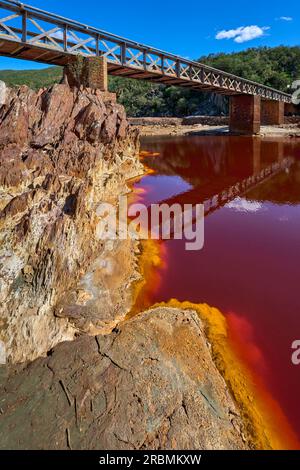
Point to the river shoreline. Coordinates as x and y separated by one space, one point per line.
264 425
207 125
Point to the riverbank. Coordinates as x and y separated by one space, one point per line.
150 385
206 125
262 423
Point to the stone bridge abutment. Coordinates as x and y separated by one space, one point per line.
89 72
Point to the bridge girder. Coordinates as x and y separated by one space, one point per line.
30 33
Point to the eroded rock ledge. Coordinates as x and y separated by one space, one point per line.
150 384
62 152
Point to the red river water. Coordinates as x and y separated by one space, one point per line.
249 267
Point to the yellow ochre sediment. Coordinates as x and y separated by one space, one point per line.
265 422
263 418
149 259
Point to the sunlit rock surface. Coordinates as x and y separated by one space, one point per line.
150 384
62 152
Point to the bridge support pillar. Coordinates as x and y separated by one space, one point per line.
291 109
245 114
272 112
89 72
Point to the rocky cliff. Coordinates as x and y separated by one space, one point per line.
77 376
62 152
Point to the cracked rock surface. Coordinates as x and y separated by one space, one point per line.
150 384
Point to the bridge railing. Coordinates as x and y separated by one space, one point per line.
30 26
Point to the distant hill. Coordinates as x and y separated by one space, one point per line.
277 67
35 79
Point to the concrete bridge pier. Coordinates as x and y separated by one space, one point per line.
89 72
272 112
245 114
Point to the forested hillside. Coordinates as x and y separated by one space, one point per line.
276 67
35 79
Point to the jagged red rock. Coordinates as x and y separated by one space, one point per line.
62 151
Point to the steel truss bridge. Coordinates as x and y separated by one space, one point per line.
32 34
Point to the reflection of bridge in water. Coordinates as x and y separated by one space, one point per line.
213 184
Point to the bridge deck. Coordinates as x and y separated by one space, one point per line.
32 34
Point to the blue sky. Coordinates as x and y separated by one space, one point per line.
189 29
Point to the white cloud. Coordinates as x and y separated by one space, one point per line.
243 33
243 205
286 18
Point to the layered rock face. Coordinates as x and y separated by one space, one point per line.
150 384
62 152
